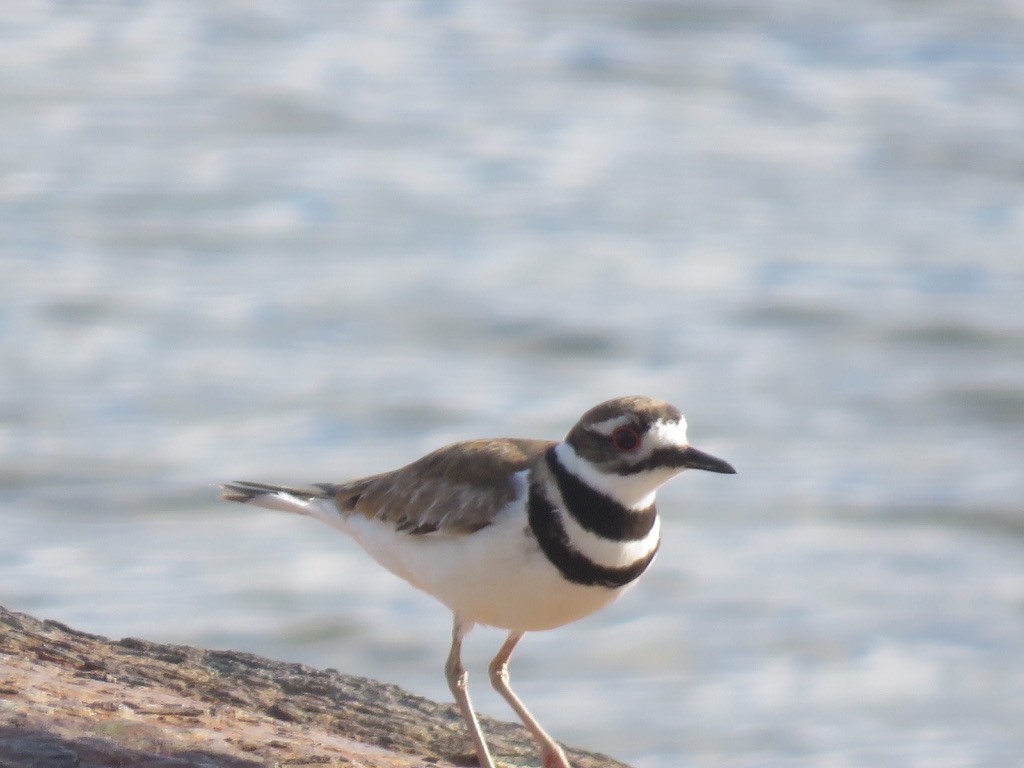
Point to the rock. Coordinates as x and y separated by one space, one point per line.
68 698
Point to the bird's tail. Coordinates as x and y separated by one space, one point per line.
302 501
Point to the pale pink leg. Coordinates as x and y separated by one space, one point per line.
552 754
458 682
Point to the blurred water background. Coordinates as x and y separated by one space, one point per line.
312 240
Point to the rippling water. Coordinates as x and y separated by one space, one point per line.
316 240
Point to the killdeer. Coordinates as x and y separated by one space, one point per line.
514 533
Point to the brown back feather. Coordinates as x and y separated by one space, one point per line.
454 490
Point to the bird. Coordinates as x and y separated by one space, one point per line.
520 534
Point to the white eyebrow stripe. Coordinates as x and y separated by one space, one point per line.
608 426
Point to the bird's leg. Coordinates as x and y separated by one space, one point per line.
552 754
458 682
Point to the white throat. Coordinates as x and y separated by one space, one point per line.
631 491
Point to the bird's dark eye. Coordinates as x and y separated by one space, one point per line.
626 438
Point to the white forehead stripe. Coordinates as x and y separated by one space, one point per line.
668 433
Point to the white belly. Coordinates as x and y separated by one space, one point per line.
496 576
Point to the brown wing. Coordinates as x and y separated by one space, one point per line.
454 490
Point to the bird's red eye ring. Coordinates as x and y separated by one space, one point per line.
626 439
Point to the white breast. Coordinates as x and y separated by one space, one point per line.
496 576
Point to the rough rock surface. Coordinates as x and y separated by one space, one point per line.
69 699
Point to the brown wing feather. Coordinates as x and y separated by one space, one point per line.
454 490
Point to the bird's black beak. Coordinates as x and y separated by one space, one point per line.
694 459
